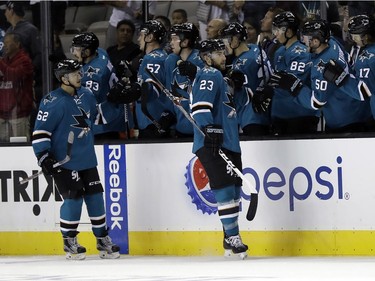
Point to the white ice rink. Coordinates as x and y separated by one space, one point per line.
161 268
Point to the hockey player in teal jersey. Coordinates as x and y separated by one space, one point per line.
153 102
185 58
289 117
72 108
362 32
255 72
213 111
99 76
339 95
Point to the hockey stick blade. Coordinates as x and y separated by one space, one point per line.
254 194
251 211
62 162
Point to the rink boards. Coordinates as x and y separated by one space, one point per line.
316 197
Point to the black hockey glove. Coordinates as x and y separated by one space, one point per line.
262 99
186 68
213 137
334 73
166 120
238 78
123 70
286 81
46 162
123 92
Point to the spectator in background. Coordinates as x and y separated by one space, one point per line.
31 42
179 16
214 27
208 10
252 30
125 58
131 10
16 89
125 49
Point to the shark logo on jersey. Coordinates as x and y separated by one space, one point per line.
230 104
48 98
181 85
91 71
156 54
320 66
240 62
81 123
365 55
299 50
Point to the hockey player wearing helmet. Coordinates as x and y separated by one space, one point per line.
153 102
72 109
289 117
180 69
362 32
213 110
331 89
99 76
248 72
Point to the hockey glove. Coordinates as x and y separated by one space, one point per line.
213 138
123 70
262 99
238 78
286 81
186 68
334 73
123 93
166 120
46 162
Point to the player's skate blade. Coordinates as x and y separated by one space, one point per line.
80 256
229 253
106 255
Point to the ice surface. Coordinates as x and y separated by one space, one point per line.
166 268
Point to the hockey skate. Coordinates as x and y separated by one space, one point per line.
73 250
233 246
107 250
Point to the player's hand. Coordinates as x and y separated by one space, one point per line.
262 99
334 73
286 81
186 68
166 120
46 162
123 92
238 78
213 137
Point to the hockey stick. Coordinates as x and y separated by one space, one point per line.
57 164
254 194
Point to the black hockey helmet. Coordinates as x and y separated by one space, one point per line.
156 28
286 19
318 29
233 29
186 30
65 67
86 40
211 45
361 24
